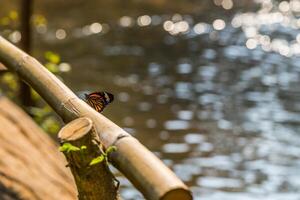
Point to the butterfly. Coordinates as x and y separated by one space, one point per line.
99 100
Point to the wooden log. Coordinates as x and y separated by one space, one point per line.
31 168
138 164
93 182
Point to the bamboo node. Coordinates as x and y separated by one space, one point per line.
120 136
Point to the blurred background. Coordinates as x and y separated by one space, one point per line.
211 86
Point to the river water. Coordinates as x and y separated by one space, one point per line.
211 87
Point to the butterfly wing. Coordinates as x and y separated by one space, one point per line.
108 97
96 101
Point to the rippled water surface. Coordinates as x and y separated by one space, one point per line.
212 87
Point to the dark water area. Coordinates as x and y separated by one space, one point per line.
211 87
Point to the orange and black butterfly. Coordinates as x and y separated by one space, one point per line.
99 100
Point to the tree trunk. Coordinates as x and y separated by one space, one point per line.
25 28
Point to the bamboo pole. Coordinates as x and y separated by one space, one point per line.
93 181
139 165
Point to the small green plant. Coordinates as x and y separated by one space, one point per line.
103 156
97 160
68 147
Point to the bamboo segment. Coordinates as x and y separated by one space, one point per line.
138 164
93 181
150 175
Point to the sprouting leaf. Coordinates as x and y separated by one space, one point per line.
68 147
97 160
73 148
83 147
110 149
64 147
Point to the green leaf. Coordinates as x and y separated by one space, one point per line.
110 149
83 147
68 147
73 148
97 160
64 147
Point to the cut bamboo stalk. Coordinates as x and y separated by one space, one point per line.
139 165
93 181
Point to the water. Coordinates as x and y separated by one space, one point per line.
211 87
